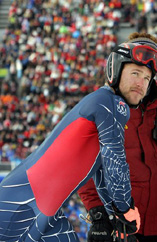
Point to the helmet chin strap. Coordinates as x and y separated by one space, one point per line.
118 92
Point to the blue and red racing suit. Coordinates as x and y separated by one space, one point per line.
88 142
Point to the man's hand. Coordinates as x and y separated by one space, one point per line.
126 224
101 228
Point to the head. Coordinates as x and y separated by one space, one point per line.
132 66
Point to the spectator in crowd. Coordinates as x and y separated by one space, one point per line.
141 150
88 141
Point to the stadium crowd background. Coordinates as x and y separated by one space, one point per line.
52 54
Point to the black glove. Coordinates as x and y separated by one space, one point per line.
126 224
129 221
101 228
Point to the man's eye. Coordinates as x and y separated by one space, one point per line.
135 73
147 79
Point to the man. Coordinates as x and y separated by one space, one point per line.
89 141
141 150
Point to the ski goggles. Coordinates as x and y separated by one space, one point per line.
140 54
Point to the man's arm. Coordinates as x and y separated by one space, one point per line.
113 179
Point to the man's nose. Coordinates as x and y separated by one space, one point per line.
140 82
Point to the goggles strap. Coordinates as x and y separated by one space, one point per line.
122 51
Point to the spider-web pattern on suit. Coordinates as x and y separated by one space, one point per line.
113 177
87 142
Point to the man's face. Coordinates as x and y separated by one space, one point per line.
134 82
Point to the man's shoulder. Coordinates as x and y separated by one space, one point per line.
104 93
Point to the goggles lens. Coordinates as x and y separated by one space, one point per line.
145 54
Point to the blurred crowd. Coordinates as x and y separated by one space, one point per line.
52 54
